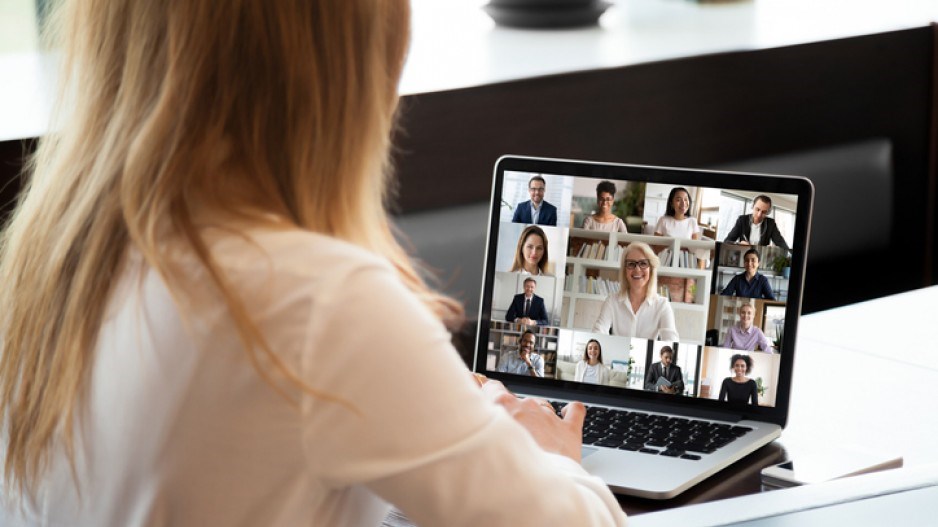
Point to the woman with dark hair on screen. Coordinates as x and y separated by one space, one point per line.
603 219
637 310
200 232
591 368
676 221
531 255
750 283
739 388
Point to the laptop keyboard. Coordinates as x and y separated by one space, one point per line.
655 434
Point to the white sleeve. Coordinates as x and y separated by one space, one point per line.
416 429
667 328
604 321
659 226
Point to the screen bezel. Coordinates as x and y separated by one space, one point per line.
763 183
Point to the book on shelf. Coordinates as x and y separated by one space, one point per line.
677 289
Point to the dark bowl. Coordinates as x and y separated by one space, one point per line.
558 17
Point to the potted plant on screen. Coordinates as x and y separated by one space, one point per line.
782 265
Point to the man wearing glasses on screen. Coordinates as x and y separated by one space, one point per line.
536 210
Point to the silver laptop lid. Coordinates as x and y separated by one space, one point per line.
718 259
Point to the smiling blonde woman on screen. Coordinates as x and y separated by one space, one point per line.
637 310
182 290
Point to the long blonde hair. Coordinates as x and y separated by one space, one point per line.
178 111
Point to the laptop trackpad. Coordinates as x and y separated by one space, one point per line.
586 451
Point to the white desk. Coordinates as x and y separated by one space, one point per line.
868 374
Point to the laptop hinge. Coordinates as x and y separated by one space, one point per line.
645 406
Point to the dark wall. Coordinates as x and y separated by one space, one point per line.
703 112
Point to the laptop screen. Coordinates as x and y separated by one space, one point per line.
653 283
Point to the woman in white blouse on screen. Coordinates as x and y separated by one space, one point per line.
184 281
591 369
637 310
676 223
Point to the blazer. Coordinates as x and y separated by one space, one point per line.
768 232
538 311
675 376
580 372
547 216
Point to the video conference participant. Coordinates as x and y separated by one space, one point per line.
527 361
664 369
750 283
218 205
531 255
739 388
536 210
744 336
528 308
637 310
757 228
591 369
604 219
676 223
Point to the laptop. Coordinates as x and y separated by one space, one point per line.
665 299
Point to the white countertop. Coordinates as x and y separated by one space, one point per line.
455 44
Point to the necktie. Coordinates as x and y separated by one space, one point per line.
527 306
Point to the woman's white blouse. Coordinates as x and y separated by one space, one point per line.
653 320
178 428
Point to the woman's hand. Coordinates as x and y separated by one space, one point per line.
554 434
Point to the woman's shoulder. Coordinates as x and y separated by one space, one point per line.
283 260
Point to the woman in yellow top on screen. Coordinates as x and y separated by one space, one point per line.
603 219
531 256
637 310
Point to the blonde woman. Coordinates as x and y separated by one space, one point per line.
182 288
531 255
637 310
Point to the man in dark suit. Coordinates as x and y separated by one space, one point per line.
757 228
528 308
536 210
665 370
